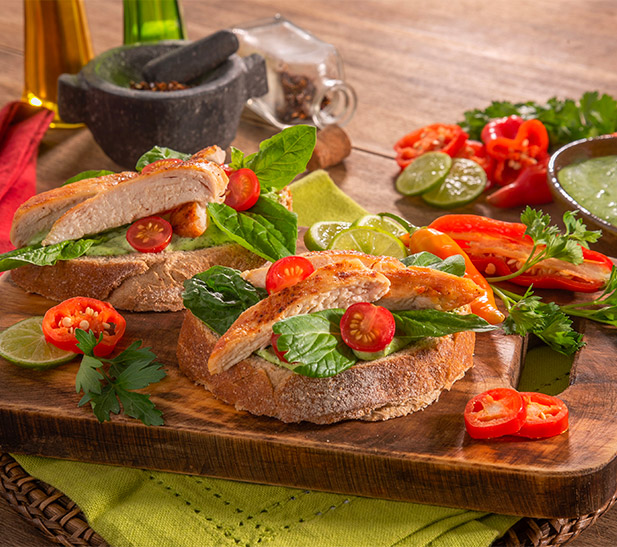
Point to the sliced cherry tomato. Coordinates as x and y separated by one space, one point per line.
88 314
227 168
366 327
437 137
149 235
275 349
243 189
496 412
547 416
161 164
286 272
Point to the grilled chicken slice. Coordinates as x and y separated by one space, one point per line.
141 196
337 285
410 287
38 214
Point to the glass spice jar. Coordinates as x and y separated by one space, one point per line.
305 75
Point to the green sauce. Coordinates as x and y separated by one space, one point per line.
593 184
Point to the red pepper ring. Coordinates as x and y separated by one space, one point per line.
530 187
495 413
530 142
501 127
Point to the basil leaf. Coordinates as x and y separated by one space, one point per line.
284 221
45 256
283 156
219 295
253 231
313 344
91 174
237 159
454 265
159 153
417 324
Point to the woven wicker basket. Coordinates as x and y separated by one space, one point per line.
61 521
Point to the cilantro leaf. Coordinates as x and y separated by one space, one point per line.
105 403
139 405
88 378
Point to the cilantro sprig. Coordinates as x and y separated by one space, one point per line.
109 384
550 242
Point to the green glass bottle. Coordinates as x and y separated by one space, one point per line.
152 20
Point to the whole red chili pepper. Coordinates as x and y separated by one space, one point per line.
499 248
443 246
529 188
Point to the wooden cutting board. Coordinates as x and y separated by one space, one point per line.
426 457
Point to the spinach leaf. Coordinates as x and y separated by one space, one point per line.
454 265
313 344
280 158
417 324
46 256
91 174
255 232
219 295
159 153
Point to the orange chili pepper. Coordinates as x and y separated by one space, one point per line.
443 246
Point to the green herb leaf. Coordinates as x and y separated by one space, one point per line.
254 232
45 256
88 378
139 406
105 403
91 174
237 159
159 153
417 324
283 222
137 369
313 344
454 265
282 157
219 295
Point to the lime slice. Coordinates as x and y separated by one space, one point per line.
422 174
381 223
371 241
464 183
24 344
320 234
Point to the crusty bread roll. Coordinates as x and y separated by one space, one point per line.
133 282
396 385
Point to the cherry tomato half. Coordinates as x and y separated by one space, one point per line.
366 327
149 235
89 314
243 189
496 412
437 137
275 349
286 272
163 163
546 416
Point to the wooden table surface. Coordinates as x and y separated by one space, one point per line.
411 63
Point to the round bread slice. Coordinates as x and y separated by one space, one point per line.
396 385
132 282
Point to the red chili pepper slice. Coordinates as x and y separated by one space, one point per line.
494 413
529 188
546 416
437 137
501 127
443 246
89 314
498 248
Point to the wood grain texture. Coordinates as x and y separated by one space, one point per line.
411 63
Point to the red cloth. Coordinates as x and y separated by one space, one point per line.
21 130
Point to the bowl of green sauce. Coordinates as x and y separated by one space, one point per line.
583 177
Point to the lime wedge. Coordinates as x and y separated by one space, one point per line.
371 241
381 223
464 183
423 173
24 344
320 234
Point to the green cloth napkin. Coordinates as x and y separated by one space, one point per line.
134 507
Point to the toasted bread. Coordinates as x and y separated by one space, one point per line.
396 385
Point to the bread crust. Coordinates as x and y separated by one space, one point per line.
132 282
396 385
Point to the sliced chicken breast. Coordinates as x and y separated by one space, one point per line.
141 196
337 285
38 214
410 287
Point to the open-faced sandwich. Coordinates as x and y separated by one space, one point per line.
132 238
328 336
